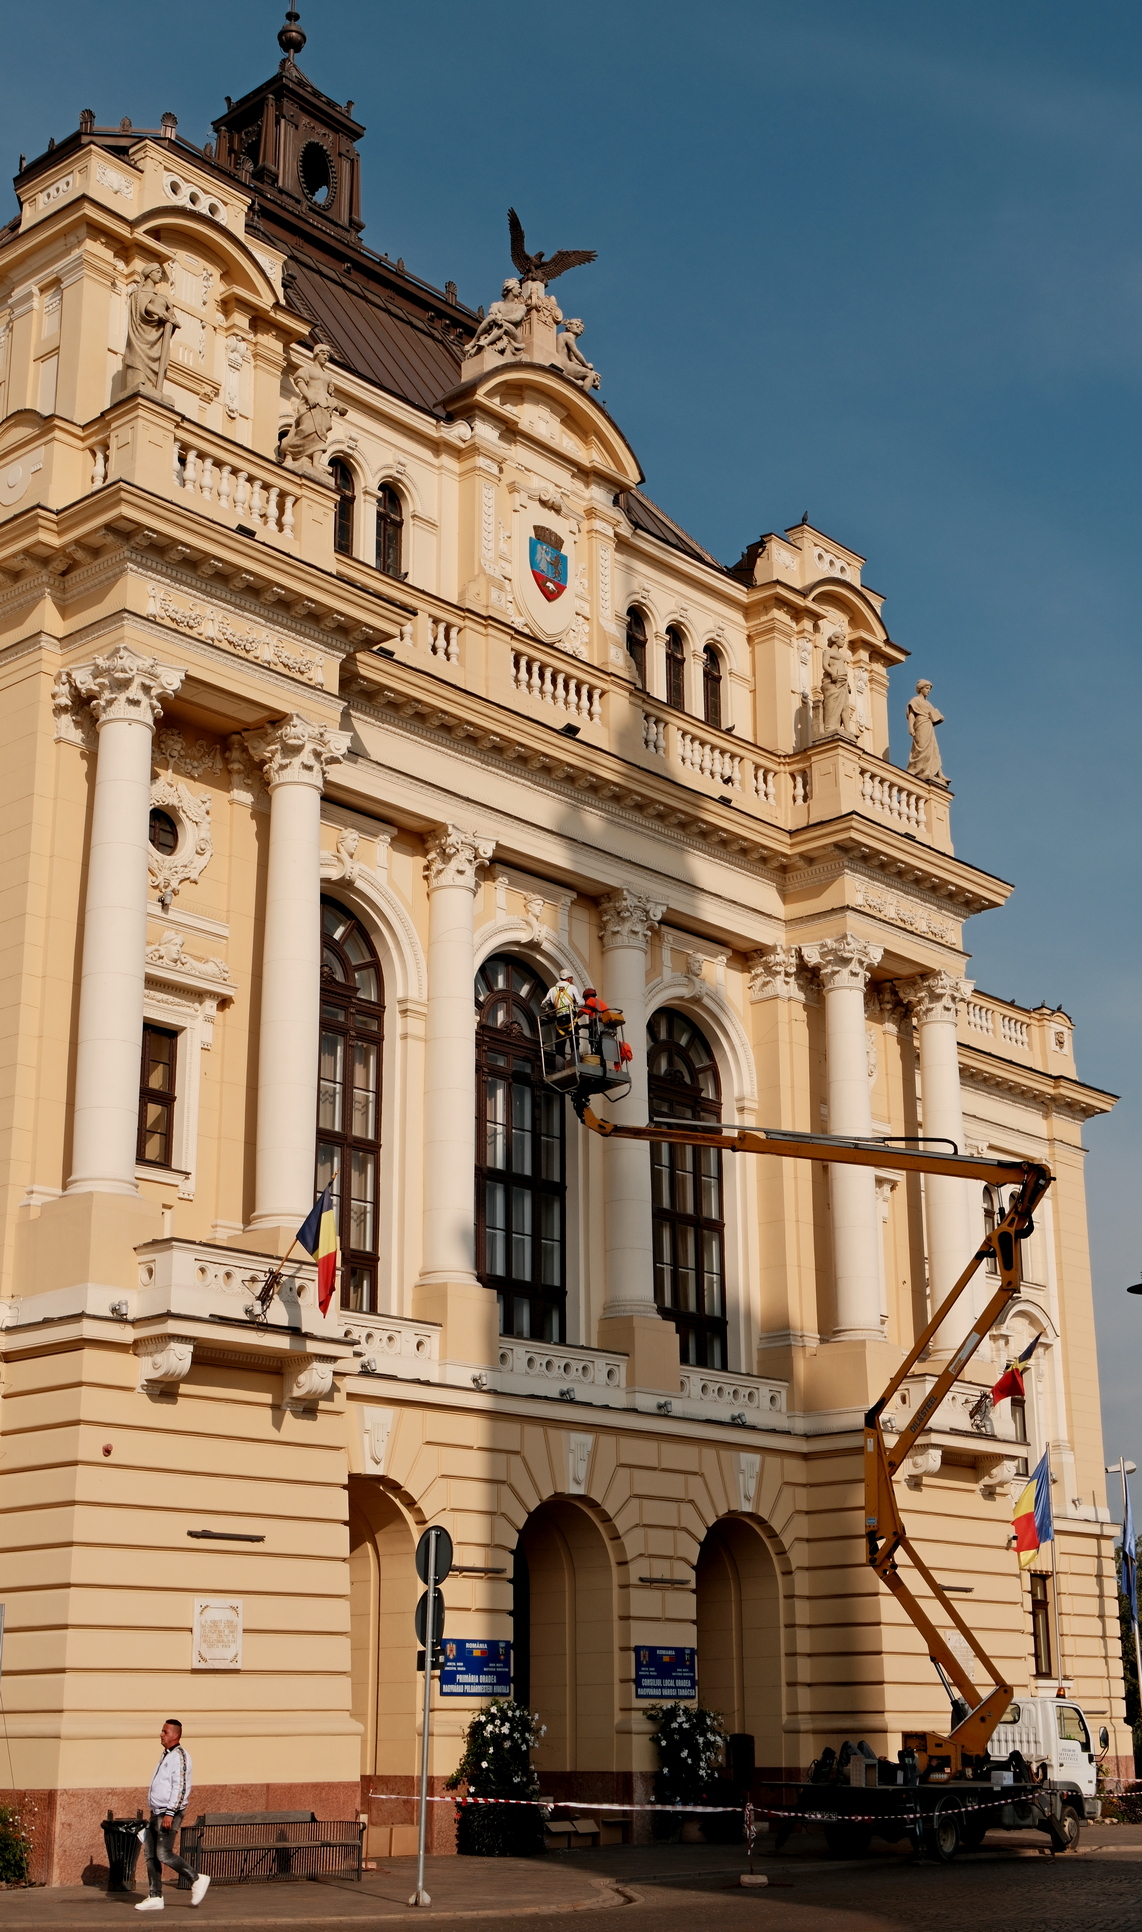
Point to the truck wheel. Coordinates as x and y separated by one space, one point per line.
942 1838
847 1841
1065 1832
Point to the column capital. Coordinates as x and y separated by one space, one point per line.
775 973
293 751
628 918
934 996
124 685
845 961
453 857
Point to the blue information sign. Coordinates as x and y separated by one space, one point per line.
475 1668
666 1675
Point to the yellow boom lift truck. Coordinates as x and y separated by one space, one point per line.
946 1788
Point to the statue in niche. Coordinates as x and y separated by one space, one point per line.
303 446
150 326
572 361
500 328
923 717
837 713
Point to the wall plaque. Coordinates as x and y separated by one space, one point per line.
476 1667
665 1675
217 1634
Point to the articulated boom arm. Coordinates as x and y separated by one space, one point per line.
884 1526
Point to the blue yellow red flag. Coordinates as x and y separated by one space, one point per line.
1031 1519
318 1236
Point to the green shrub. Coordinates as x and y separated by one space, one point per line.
15 1847
497 1764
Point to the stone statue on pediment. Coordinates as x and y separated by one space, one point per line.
150 326
837 710
923 717
500 328
303 446
572 361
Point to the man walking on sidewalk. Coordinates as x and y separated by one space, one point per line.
170 1789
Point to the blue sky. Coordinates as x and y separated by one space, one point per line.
881 263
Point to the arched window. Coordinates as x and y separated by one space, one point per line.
712 687
346 495
689 1216
349 1096
675 668
636 643
521 1189
390 530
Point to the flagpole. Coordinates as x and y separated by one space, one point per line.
1133 1618
1055 1570
273 1280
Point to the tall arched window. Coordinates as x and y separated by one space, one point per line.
675 668
346 487
349 1096
390 530
636 643
712 687
521 1188
689 1216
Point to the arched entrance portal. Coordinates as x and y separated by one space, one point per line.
383 1589
739 1636
565 1641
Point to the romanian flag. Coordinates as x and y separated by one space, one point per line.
318 1236
1032 1522
1011 1381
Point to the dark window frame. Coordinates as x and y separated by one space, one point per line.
637 640
684 1081
344 516
389 555
675 668
165 819
523 1121
1041 1624
356 1021
162 1099
712 687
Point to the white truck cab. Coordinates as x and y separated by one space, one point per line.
1051 1731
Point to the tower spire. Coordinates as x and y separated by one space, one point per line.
291 38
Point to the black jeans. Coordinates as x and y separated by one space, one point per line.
158 1850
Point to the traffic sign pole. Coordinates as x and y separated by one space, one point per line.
428 1567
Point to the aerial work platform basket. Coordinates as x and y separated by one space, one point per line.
584 1051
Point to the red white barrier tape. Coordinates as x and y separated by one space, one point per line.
559 1804
948 1809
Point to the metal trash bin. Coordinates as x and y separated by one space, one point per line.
121 1837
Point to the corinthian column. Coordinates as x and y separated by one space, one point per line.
448 1290
935 999
294 755
844 965
124 691
630 1318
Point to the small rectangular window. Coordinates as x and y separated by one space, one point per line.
1041 1624
157 1097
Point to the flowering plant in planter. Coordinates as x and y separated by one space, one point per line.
15 1847
497 1764
691 1745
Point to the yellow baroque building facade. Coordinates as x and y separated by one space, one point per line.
354 690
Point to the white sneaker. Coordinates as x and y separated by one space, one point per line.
151 1905
199 1889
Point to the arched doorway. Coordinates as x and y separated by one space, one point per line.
383 1589
565 1599
739 1636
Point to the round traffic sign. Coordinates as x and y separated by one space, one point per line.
423 1638
443 1553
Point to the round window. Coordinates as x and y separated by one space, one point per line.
317 172
163 833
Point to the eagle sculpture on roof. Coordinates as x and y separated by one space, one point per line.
533 268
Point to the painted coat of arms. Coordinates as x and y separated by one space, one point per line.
548 562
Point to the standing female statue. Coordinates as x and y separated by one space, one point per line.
303 446
150 326
923 718
836 699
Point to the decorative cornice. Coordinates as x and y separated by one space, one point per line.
126 687
1045 1091
628 918
843 962
297 752
455 858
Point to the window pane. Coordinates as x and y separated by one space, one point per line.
551 1122
683 1180
660 1175
521 1128
357 1292
521 1234
332 963
156 1134
331 1084
362 1198
158 1066
364 1090
550 1226
367 982
687 1278
712 1271
495 1229
496 1138
328 1164
522 1316
663 1265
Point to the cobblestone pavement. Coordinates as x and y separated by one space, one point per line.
1009 1886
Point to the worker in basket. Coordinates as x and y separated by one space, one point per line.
600 1016
563 1002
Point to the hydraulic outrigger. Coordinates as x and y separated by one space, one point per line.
946 1754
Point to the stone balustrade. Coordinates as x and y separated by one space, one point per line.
555 685
893 799
393 1345
255 495
709 760
569 1374
749 1401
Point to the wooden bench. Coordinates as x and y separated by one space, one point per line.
246 1847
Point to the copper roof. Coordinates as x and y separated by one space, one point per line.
653 522
373 334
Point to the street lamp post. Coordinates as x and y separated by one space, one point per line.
1129 1555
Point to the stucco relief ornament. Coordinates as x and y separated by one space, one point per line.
123 685
73 724
150 326
297 752
303 446
923 717
775 974
195 848
455 858
627 919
